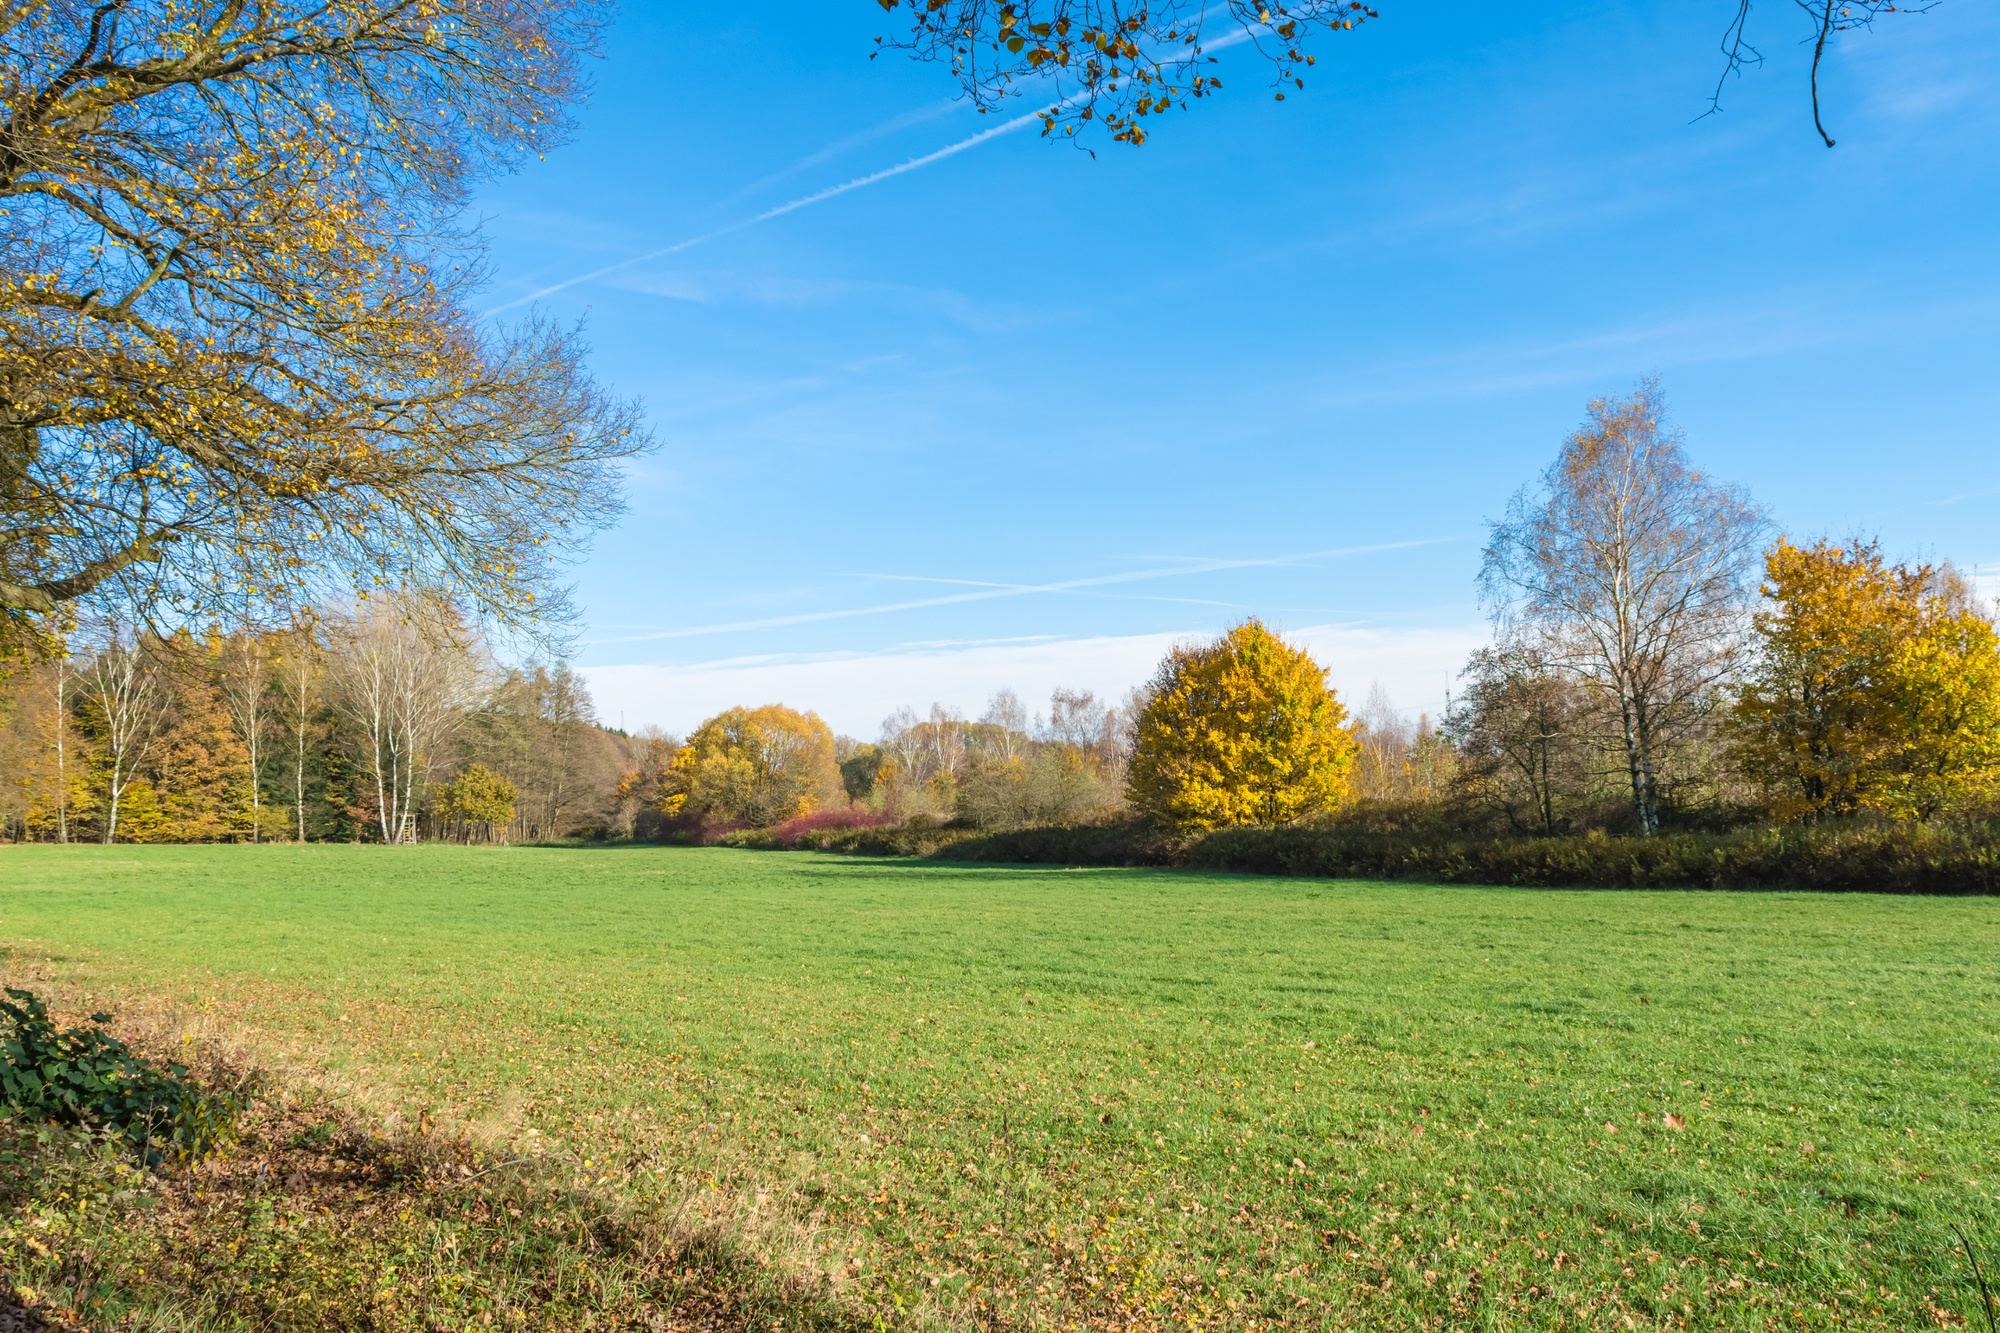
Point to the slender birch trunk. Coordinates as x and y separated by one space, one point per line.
123 684
62 768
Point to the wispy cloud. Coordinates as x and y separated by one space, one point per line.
854 691
988 592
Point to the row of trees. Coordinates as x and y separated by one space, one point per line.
1856 686
762 766
241 377
1640 675
383 724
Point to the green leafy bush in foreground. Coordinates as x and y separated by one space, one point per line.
86 1076
1876 858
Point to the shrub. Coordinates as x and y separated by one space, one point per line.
798 832
86 1076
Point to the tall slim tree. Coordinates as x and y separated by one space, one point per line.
64 674
130 703
246 684
1630 569
298 670
564 713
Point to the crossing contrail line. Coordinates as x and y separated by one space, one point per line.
806 201
832 191
987 592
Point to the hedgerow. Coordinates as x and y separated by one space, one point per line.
1854 857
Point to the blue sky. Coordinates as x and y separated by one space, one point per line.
1023 417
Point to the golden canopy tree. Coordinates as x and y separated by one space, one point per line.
1875 686
758 765
1243 730
477 804
237 367
199 768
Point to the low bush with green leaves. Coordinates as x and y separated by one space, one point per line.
85 1076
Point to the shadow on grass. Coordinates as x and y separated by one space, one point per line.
308 1222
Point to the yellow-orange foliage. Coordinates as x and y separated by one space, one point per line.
1112 63
1875 686
1241 731
761 766
237 366
199 768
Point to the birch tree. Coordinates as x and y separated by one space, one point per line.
124 687
64 674
298 670
1005 727
1629 569
246 685
404 675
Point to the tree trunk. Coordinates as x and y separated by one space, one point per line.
62 773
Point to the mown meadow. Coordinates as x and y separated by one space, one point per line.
957 1095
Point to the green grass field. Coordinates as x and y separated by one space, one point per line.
1094 1097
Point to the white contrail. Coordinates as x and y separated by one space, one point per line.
990 591
846 144
949 150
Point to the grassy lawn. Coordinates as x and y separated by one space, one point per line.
1087 1097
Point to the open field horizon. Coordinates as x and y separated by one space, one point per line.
1130 1097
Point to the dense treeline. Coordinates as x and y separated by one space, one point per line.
384 724
754 768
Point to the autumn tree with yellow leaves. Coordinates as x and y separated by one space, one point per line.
1874 687
238 369
476 806
1243 730
759 766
